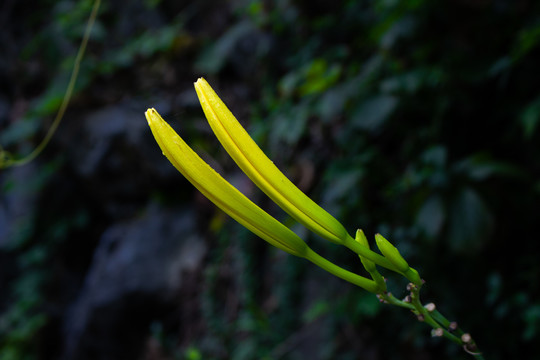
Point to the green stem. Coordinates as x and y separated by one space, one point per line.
436 320
440 318
368 254
392 300
443 321
379 280
346 275
428 319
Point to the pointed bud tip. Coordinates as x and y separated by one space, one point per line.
361 238
391 253
199 81
151 115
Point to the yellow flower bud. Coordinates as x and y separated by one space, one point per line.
262 171
219 191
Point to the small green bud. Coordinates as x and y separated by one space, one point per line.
361 239
391 253
369 265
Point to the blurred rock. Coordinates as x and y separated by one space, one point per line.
106 148
136 277
98 137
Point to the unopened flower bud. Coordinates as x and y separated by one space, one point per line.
361 239
391 253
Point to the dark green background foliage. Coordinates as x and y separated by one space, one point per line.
417 119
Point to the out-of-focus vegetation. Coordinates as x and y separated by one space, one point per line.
416 119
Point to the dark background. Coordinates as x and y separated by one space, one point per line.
416 119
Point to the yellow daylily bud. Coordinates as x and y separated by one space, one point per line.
235 204
219 191
262 171
391 253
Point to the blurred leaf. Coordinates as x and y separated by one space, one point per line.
527 40
367 306
494 286
215 57
288 126
413 81
343 187
532 322
22 129
470 222
530 117
372 113
316 310
313 78
431 216
146 45
435 156
192 353
401 28
481 167
500 65
318 77
333 101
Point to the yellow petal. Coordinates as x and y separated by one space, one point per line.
219 191
262 171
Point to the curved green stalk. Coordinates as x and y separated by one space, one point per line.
6 159
346 275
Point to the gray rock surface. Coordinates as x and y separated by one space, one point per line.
134 278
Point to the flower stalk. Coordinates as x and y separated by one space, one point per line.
262 171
